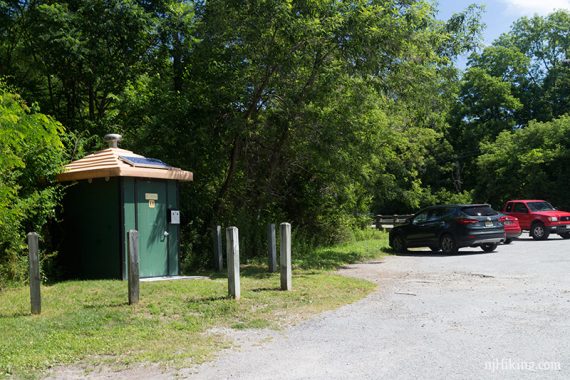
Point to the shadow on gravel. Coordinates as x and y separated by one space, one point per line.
526 240
438 254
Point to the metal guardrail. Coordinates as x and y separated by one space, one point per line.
387 222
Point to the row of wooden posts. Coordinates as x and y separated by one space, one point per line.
232 244
35 280
232 247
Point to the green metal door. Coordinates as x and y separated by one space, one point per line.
152 226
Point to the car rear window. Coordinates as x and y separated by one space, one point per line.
479 211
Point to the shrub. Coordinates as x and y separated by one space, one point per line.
31 155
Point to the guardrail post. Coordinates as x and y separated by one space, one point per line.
232 246
272 247
35 281
285 256
133 267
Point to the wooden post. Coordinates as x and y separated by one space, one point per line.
232 246
272 247
133 266
35 294
218 253
285 256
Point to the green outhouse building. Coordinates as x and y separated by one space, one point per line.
111 192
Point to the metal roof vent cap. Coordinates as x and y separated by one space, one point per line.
113 139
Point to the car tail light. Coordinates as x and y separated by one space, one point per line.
507 220
466 221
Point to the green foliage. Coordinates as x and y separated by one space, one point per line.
297 111
522 76
75 57
31 156
311 112
363 245
527 163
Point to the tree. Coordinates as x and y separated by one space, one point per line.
303 111
545 43
75 57
527 163
313 112
32 154
521 77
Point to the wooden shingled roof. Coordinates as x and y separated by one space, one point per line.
116 162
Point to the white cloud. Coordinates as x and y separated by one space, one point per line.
530 7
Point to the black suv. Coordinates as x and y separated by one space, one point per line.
449 228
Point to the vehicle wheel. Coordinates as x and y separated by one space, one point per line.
399 244
434 249
565 235
538 232
508 241
490 247
448 245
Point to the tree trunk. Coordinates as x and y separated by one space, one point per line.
50 91
234 156
177 65
91 102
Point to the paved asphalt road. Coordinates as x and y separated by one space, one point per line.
473 315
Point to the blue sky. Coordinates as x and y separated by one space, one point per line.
500 14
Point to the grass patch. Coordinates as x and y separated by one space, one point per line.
367 245
90 321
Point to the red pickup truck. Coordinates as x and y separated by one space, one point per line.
539 218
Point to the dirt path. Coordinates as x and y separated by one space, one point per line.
472 315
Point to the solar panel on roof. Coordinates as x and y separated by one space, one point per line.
145 162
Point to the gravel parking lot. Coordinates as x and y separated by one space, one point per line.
472 315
